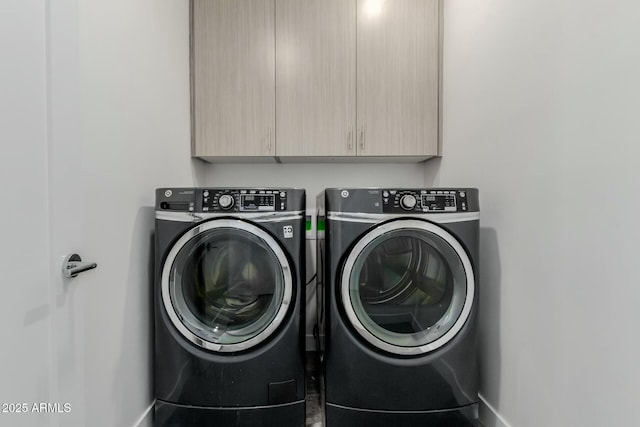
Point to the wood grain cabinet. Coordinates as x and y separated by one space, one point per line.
233 79
398 77
315 78
309 80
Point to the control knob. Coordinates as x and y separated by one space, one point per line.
408 202
226 201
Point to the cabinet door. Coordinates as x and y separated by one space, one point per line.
398 81
233 77
315 79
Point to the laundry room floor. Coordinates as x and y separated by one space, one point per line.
314 407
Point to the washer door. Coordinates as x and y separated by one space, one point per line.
226 285
407 287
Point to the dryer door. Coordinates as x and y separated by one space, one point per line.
226 285
407 287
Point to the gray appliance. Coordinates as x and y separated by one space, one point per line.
229 307
398 294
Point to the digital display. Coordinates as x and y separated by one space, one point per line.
439 202
257 202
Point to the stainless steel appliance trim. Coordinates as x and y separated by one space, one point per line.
235 224
370 218
407 224
202 216
176 216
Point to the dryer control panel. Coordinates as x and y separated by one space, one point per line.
243 200
234 200
411 200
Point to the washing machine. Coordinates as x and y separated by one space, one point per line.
229 307
398 302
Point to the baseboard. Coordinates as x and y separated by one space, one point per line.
489 416
146 419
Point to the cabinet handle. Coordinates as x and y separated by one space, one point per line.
350 139
269 143
362 138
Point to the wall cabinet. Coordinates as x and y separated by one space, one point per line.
398 77
315 77
233 79
310 80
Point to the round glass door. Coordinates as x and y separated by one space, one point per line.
226 285
407 287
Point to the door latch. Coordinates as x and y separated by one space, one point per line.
73 265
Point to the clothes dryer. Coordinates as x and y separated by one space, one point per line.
398 295
229 307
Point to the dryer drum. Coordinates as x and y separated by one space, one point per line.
402 266
232 284
411 279
227 285
407 287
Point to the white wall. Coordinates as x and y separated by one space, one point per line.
541 100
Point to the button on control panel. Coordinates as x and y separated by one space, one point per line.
245 200
403 201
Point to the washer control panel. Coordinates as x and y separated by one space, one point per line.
245 200
402 201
